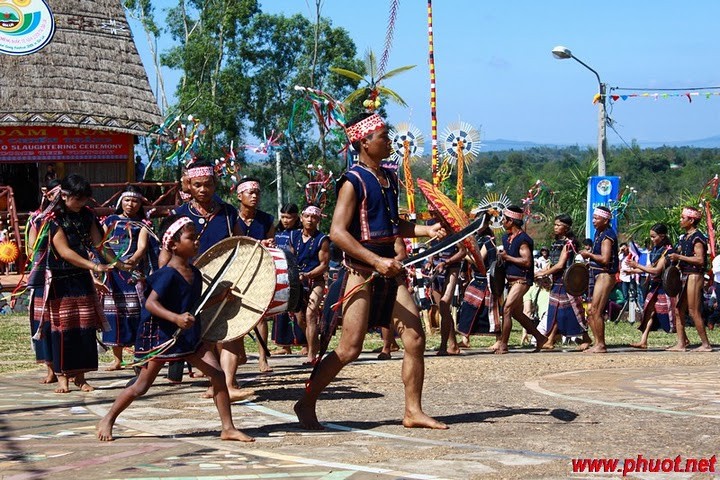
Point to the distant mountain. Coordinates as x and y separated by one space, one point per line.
502 144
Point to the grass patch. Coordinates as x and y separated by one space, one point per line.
16 352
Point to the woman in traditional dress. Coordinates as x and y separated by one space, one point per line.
72 304
129 241
37 241
659 308
566 314
286 331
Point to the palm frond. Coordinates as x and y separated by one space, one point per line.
348 73
355 95
393 95
394 72
371 65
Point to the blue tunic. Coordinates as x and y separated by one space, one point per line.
612 266
220 226
282 238
259 226
176 295
513 271
376 218
307 253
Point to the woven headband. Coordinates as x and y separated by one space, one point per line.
602 213
514 215
245 186
364 127
691 213
173 229
137 195
312 210
195 172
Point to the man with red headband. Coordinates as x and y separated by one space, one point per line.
604 265
519 274
692 248
365 225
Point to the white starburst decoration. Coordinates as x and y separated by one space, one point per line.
495 203
416 143
453 134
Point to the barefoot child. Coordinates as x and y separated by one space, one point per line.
171 293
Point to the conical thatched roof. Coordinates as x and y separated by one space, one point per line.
90 74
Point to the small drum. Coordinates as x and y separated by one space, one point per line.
672 280
261 280
576 279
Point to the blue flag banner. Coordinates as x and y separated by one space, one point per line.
601 191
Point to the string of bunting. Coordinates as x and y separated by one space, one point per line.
659 96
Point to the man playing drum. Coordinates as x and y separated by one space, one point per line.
692 248
365 225
519 266
603 266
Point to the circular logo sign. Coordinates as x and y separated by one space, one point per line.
26 26
604 187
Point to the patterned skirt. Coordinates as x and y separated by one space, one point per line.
663 314
73 309
566 310
122 309
478 312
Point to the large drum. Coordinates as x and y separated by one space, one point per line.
257 281
576 279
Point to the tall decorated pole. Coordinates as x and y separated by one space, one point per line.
407 144
461 144
433 100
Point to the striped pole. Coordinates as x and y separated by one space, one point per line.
433 101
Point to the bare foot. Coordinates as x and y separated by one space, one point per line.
303 351
502 350
83 385
114 366
208 393
238 394
264 367
677 348
63 386
194 374
641 346
104 430
548 346
307 416
50 378
464 342
421 420
703 348
62 390
494 346
236 435
540 341
596 349
281 351
583 346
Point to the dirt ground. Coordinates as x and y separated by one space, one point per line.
521 415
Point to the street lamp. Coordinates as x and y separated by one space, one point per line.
562 53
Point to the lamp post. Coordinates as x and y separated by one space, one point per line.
561 53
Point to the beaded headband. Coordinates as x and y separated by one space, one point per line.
137 195
312 210
173 229
245 186
364 127
602 213
195 172
691 213
514 215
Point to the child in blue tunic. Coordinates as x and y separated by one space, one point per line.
171 293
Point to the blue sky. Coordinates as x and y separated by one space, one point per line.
495 70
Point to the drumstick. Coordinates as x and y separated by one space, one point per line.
227 294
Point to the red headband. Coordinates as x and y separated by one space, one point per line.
514 215
602 213
691 213
364 127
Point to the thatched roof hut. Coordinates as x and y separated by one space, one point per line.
89 75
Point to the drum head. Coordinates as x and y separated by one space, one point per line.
576 279
252 271
672 280
497 278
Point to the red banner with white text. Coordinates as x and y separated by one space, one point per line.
63 144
